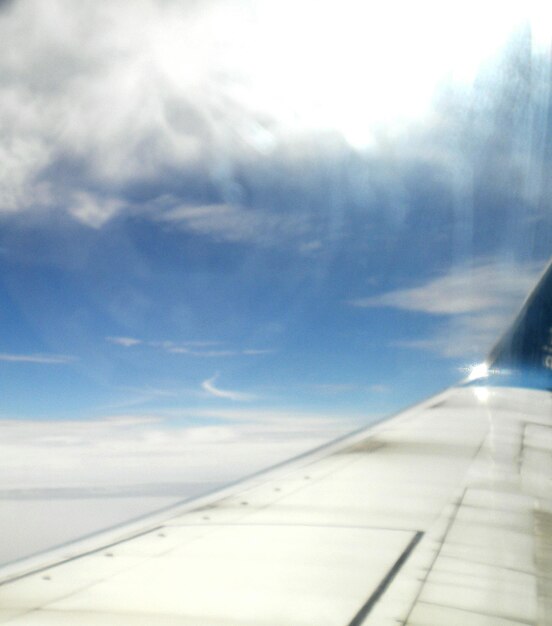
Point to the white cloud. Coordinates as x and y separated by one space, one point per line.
98 472
202 353
193 344
379 388
467 335
216 353
95 473
209 386
182 347
47 359
310 247
334 388
178 350
92 210
479 303
226 222
347 388
129 450
255 352
126 342
202 349
125 91
87 83
464 290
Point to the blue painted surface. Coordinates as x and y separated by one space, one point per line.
525 378
523 356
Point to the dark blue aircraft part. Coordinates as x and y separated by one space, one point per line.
524 378
523 356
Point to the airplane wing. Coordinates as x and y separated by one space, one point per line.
439 515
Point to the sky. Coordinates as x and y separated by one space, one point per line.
231 231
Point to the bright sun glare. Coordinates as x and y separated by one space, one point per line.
478 371
359 69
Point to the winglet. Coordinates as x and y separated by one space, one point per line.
524 353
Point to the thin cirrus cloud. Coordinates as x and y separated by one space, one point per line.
255 352
474 304
226 222
345 388
226 394
204 349
202 353
464 290
126 342
44 359
217 353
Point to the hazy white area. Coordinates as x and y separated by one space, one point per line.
62 480
31 526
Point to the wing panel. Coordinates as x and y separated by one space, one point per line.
434 515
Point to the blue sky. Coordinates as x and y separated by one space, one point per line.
207 224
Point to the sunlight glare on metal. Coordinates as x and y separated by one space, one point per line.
481 370
482 393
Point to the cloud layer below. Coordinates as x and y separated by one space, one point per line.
120 453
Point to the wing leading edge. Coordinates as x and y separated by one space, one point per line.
440 515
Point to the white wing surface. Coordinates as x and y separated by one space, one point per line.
440 515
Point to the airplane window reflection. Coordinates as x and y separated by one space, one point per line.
233 231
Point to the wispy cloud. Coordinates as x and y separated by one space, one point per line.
217 353
334 388
379 388
47 359
464 290
347 388
202 353
93 210
310 247
255 352
227 222
202 349
126 342
209 386
168 345
476 302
